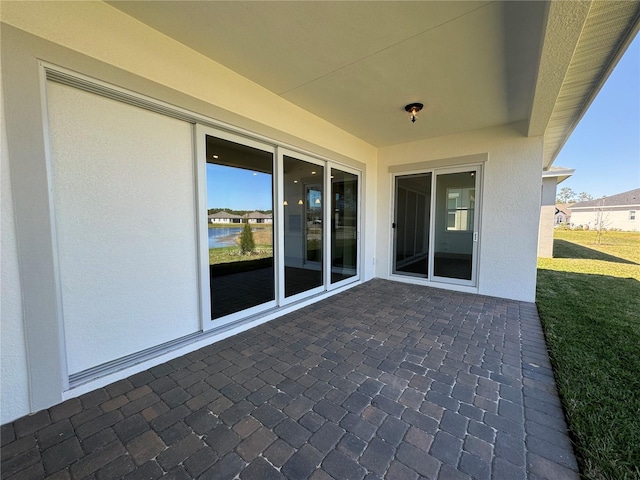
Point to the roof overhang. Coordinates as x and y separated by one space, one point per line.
583 42
474 64
560 174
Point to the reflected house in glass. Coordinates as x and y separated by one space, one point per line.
258 217
224 217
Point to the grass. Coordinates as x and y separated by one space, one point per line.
263 237
588 297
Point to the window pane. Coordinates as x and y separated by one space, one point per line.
460 204
303 224
240 221
413 202
453 245
344 225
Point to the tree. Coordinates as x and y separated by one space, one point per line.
601 219
566 195
247 243
584 197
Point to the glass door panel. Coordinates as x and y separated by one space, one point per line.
239 203
411 225
303 225
455 226
344 225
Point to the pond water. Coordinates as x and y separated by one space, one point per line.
223 237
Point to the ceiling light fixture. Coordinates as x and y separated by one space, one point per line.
413 109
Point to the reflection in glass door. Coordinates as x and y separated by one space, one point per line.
344 225
411 225
239 202
303 225
455 237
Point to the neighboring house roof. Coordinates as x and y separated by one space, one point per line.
223 214
630 198
564 208
256 215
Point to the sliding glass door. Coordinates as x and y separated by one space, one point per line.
456 236
303 220
276 226
238 210
435 235
344 226
411 225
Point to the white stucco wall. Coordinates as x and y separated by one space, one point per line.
14 387
547 217
545 234
510 203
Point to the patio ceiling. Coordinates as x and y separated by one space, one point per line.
356 64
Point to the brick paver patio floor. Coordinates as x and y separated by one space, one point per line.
385 380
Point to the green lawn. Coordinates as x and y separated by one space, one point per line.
263 237
588 297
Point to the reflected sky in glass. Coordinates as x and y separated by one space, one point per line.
244 189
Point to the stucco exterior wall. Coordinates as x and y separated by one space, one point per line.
510 203
547 217
545 235
15 389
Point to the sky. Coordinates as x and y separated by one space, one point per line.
238 189
604 149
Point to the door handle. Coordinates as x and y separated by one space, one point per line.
393 225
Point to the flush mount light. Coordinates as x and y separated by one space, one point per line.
413 109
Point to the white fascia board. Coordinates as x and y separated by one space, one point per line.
561 174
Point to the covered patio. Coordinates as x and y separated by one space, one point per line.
385 380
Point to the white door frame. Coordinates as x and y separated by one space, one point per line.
203 230
431 278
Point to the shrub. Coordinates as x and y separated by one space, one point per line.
247 243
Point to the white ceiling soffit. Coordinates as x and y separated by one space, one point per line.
356 64
608 29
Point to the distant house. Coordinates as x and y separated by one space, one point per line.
617 212
563 214
258 217
224 217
